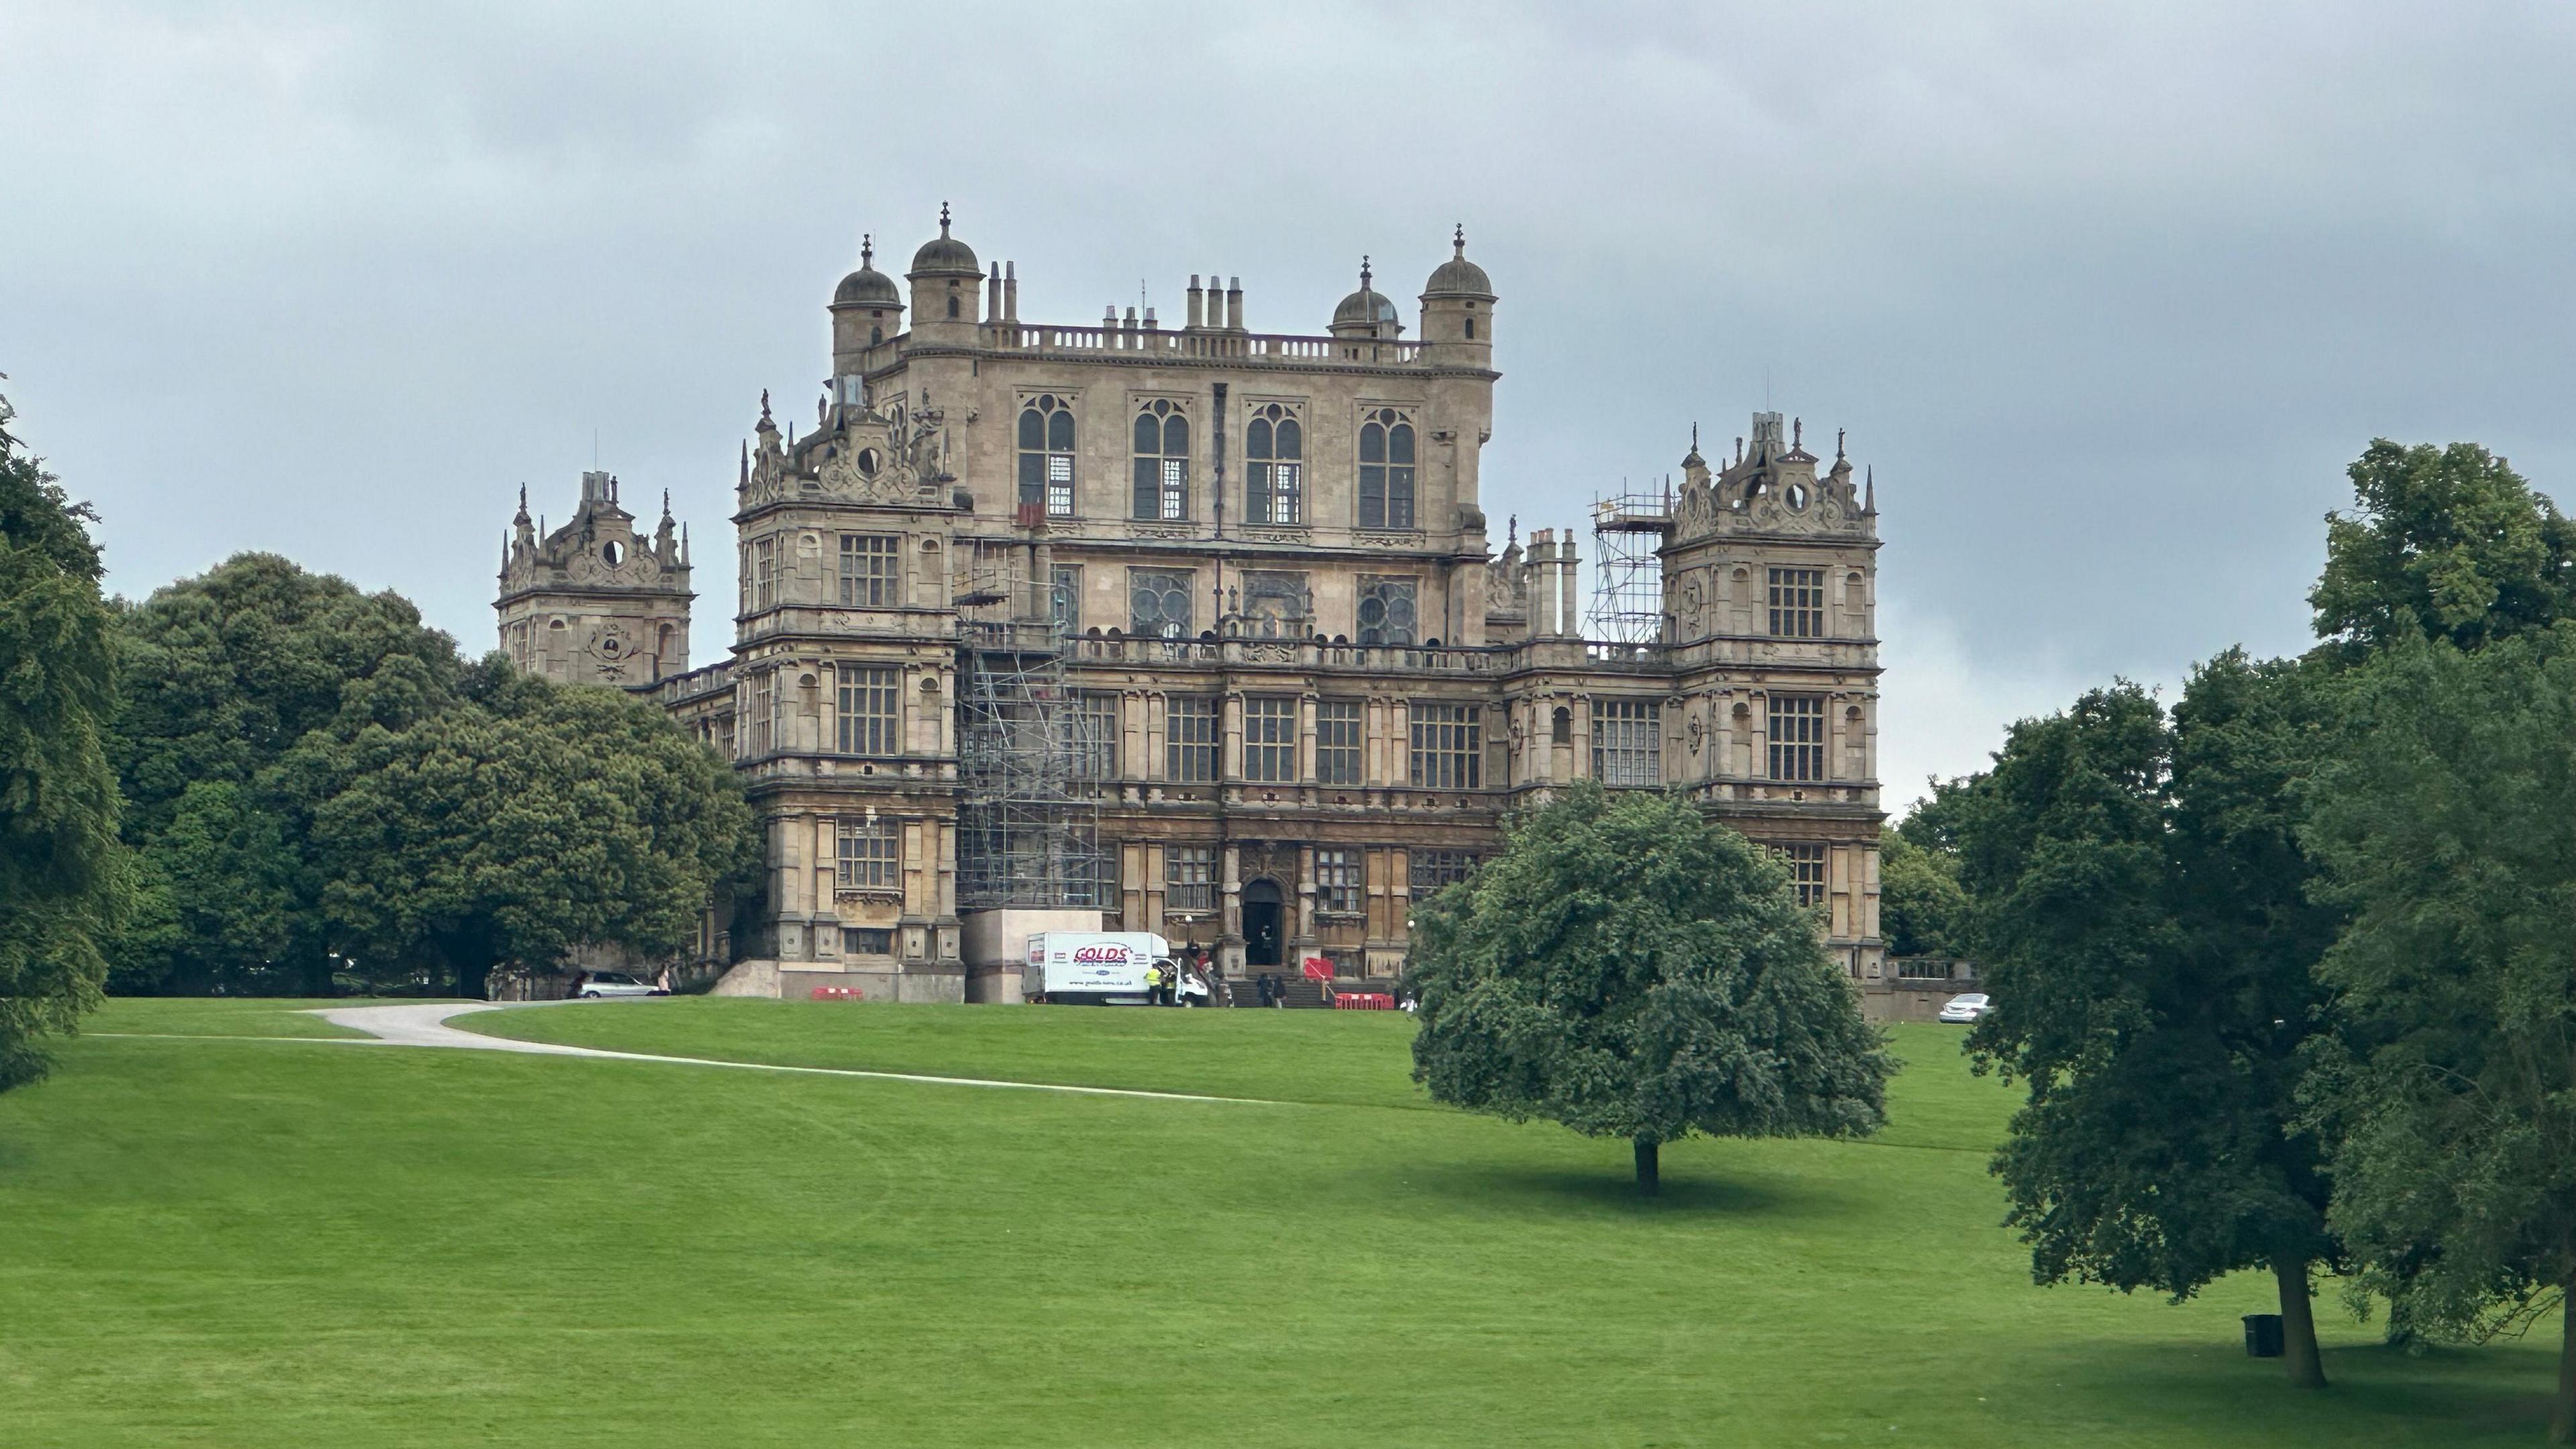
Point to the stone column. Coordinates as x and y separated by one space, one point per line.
1229 942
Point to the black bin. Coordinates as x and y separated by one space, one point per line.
2262 1335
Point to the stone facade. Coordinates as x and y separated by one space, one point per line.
594 602
1307 686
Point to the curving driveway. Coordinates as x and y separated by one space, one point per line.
424 1024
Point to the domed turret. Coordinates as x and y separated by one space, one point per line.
867 287
945 290
1366 312
867 308
1458 277
1458 310
944 255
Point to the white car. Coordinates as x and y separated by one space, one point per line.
1964 1009
597 984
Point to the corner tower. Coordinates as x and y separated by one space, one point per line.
595 602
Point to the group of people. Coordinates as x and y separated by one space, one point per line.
1194 980
1191 981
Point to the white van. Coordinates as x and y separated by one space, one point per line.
1093 966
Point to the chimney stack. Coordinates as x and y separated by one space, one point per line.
1198 316
1234 303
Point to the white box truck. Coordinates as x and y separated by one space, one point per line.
1097 967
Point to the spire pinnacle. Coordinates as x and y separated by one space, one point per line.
1364 272
867 250
943 218
1458 242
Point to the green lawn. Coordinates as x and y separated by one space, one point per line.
204 1016
240 1242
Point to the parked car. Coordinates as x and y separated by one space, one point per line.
596 984
1960 1010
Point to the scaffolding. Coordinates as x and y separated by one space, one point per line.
1028 821
1628 534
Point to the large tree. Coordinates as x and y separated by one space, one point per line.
2140 922
237 683
63 878
2445 827
1630 969
2442 543
526 818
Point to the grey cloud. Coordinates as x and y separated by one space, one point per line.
2107 297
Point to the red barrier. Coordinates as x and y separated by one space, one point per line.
839 993
1363 1001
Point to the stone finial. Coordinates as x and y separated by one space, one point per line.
1838 445
867 250
764 405
1869 502
1797 432
943 218
1458 243
1512 532
1364 272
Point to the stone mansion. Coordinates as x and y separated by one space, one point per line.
1201 631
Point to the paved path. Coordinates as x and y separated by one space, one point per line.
425 1025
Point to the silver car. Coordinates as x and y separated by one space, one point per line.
1962 1010
596 984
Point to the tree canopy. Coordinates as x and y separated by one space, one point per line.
323 788
2443 543
2142 929
63 876
525 819
1631 969
1922 908
2444 827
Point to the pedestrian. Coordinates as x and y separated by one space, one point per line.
1154 985
1261 988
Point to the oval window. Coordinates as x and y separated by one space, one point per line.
614 553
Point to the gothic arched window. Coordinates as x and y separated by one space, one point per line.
1386 470
1274 468
1162 461
1046 454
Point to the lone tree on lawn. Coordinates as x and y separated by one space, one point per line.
1631 969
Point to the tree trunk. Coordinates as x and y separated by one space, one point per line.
2298 1325
2562 1413
1649 1181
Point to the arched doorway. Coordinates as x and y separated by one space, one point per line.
1261 922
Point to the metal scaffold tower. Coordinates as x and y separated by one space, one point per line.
1628 531
1028 825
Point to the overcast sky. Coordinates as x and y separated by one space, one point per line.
2108 300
